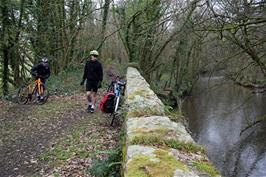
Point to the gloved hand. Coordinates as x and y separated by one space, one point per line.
99 85
82 82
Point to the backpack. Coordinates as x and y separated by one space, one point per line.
107 105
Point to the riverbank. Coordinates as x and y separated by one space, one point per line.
255 88
256 85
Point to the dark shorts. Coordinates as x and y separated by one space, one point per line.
92 86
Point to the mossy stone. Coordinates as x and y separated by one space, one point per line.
144 166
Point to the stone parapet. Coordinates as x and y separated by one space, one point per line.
156 146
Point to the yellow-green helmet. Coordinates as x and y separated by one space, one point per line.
94 52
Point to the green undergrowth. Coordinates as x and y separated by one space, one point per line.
144 166
159 140
108 167
206 167
112 165
67 82
174 114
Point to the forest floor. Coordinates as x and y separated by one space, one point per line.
58 138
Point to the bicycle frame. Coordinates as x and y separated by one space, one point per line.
31 91
40 90
117 90
36 86
116 87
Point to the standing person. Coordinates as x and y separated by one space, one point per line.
93 73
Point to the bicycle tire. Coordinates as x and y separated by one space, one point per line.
45 95
23 95
117 119
113 118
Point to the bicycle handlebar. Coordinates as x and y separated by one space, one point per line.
122 83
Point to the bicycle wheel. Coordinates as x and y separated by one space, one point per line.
23 95
44 95
117 119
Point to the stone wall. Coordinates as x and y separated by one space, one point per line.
155 146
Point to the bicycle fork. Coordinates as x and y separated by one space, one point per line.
117 103
40 89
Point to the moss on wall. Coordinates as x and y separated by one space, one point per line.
146 111
144 166
160 140
206 167
139 92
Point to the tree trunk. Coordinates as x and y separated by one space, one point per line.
104 22
4 46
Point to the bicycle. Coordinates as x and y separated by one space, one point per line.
33 92
117 86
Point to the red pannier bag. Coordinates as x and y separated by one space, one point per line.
107 105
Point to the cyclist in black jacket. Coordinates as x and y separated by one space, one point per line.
93 73
42 71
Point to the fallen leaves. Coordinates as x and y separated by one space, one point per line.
29 130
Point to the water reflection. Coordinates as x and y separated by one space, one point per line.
218 111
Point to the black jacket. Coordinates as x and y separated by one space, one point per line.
93 71
40 71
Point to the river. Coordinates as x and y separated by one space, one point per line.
218 111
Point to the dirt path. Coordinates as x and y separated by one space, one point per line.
27 131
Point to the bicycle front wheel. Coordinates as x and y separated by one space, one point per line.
23 95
